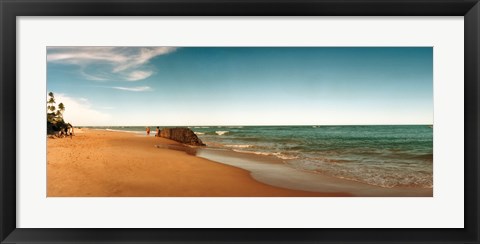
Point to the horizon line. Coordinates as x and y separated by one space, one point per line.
255 125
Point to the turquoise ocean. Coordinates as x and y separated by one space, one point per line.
381 155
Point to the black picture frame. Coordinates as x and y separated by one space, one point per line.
10 9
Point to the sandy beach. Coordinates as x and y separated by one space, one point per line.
248 121
97 163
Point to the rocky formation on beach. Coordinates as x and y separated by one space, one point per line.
182 135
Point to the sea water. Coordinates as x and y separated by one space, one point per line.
381 155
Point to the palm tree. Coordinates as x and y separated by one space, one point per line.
51 102
55 120
61 109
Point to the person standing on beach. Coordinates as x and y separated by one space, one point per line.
148 131
157 132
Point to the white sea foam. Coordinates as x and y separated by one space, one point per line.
384 177
198 133
221 132
253 152
276 154
239 146
283 156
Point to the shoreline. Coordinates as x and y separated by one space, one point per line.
273 172
263 170
96 163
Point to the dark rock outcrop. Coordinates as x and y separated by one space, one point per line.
183 135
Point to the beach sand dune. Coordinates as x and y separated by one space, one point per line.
96 163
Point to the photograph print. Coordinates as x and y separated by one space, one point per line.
239 121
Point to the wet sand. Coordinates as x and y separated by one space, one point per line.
97 163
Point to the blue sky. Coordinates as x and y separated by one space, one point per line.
242 85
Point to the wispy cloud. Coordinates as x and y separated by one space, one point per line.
109 63
133 89
138 75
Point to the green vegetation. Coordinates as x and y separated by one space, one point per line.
55 122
